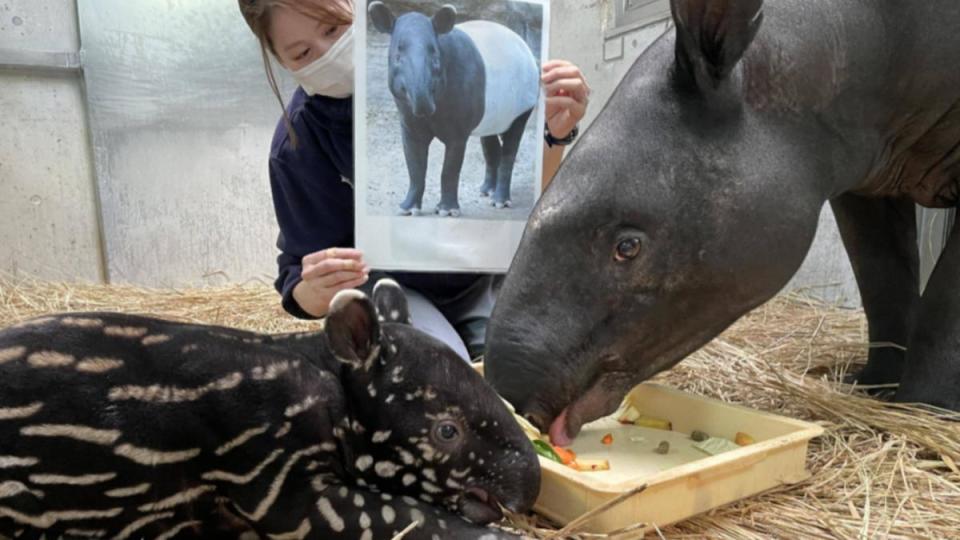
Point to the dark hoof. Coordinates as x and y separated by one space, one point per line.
500 205
408 211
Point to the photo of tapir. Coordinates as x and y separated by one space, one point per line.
468 77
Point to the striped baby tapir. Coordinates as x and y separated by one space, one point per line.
119 426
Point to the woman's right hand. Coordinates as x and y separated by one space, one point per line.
327 272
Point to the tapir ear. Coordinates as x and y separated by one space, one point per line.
712 36
391 302
351 326
381 16
444 19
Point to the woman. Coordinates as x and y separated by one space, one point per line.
311 167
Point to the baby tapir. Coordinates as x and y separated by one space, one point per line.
117 426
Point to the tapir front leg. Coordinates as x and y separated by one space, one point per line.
932 371
511 145
416 148
339 511
881 238
450 178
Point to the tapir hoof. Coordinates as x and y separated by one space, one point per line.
408 211
453 212
485 191
502 205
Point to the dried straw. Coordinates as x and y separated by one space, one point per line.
881 470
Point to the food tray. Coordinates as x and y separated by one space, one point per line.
685 482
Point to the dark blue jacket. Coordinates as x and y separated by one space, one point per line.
313 195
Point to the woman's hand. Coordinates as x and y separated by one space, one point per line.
327 272
567 95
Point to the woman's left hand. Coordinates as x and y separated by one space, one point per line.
567 96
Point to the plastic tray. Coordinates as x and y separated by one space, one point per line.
683 483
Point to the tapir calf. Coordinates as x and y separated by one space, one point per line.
116 426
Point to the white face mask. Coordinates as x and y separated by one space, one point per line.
332 74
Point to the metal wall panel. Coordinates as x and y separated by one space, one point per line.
182 119
48 214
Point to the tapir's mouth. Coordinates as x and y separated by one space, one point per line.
601 399
479 506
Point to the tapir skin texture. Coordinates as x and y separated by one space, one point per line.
695 196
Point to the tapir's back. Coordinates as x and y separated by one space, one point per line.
139 415
512 77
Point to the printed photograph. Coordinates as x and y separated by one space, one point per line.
451 109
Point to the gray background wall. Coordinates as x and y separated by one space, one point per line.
186 205
48 214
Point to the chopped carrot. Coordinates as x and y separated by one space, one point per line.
607 439
743 439
566 456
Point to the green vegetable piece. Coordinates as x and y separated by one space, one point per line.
545 450
716 445
662 448
699 436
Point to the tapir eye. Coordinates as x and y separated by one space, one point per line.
446 431
627 249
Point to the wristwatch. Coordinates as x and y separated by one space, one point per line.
553 141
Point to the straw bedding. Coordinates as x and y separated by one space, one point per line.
880 471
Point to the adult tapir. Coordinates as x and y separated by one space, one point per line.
451 82
695 196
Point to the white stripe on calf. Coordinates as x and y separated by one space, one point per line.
271 497
172 394
155 339
81 322
99 364
11 353
176 530
48 519
14 488
128 491
301 407
273 370
331 515
388 514
82 480
284 429
84 533
152 458
16 413
9 462
104 437
177 499
223 476
125 331
302 531
242 438
386 469
45 359
135 526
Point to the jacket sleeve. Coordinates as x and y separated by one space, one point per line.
314 209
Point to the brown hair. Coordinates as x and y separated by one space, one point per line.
257 14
